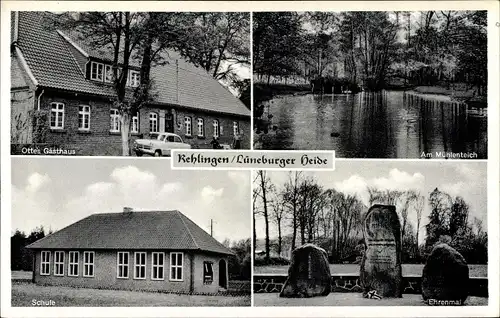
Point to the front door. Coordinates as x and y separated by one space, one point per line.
169 122
222 274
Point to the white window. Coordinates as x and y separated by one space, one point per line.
88 264
187 124
236 128
176 263
201 127
74 258
83 117
157 265
122 265
59 263
139 265
108 77
45 263
135 78
114 120
135 123
216 128
96 71
153 122
57 116
208 273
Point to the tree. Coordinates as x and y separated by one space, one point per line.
277 39
291 196
418 206
265 187
218 42
129 38
17 244
439 218
277 214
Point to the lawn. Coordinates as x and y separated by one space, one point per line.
353 269
24 293
351 299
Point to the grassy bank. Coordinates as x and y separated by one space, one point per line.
263 92
461 94
23 295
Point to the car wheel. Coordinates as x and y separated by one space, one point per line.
138 154
157 153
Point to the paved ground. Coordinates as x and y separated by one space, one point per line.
353 269
23 295
350 299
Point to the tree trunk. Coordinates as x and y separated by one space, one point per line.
294 233
125 132
266 215
279 238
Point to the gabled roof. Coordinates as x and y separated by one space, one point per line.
154 230
55 63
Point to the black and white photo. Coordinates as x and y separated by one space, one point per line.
97 232
129 83
372 233
372 84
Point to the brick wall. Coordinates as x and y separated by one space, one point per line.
100 141
105 267
198 272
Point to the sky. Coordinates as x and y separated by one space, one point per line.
56 192
465 178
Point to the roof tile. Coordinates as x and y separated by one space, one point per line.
153 230
178 82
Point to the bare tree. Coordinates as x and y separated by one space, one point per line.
265 187
418 206
277 214
291 196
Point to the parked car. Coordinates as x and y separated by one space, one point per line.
160 146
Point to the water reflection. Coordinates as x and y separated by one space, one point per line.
388 124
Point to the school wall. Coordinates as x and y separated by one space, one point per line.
105 272
199 285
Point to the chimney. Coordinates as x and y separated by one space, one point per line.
127 209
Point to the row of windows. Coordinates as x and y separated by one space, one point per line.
73 263
57 121
123 264
104 73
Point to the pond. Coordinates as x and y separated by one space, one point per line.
387 124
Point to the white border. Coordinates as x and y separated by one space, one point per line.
493 162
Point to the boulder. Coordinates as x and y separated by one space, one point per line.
445 276
380 269
308 274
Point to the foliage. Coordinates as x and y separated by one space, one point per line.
331 219
239 266
20 257
214 41
449 223
373 48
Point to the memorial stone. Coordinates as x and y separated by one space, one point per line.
445 276
380 271
308 274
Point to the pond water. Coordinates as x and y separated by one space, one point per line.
388 124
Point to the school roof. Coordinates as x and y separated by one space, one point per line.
55 59
153 230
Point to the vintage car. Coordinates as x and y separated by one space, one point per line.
160 146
